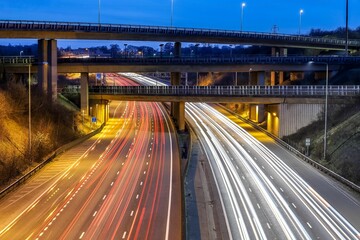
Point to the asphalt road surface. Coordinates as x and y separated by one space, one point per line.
123 183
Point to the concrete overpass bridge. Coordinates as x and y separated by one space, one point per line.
277 100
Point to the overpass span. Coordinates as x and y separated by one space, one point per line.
95 31
184 64
247 94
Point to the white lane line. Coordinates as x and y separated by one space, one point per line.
132 213
268 225
271 177
293 205
124 235
258 206
250 190
144 172
141 183
94 213
281 190
112 183
104 197
309 224
81 236
137 196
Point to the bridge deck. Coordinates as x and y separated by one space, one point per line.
95 31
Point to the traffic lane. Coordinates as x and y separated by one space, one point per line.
32 207
314 210
345 201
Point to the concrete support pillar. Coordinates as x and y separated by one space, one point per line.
260 78
272 78
43 64
281 77
52 70
177 49
47 69
177 108
84 93
181 116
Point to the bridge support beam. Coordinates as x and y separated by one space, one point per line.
84 93
257 111
47 74
177 108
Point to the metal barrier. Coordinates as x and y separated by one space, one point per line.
252 91
171 31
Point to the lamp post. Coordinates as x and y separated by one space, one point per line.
99 12
300 14
242 16
326 105
172 13
30 151
347 28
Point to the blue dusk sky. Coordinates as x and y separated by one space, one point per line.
258 15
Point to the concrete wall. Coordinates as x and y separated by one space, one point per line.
285 119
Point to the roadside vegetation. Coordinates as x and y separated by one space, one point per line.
53 125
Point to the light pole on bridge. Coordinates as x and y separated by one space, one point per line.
242 16
300 14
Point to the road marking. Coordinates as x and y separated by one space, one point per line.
141 183
144 172
281 190
309 224
250 190
81 236
94 213
124 235
293 205
104 197
132 212
268 225
112 183
243 177
255 158
258 206
118 173
263 167
237 167
137 196
271 177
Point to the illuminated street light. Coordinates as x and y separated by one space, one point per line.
326 104
300 14
242 16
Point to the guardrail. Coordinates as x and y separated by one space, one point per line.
17 60
221 35
299 154
253 91
50 157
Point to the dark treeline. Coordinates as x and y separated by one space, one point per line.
338 33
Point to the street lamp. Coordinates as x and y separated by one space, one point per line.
347 28
30 152
21 52
242 16
172 12
326 104
300 14
99 13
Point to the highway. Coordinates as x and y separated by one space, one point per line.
123 183
266 196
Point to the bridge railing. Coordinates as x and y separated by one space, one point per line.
249 91
215 60
17 60
170 31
